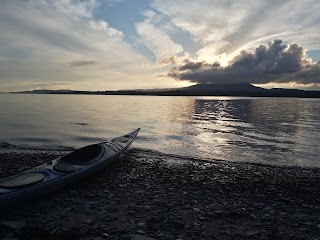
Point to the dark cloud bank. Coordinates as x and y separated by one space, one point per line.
276 63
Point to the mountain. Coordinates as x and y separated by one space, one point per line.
226 87
230 89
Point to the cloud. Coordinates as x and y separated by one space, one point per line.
274 63
309 75
174 59
40 40
229 26
155 37
168 61
81 63
104 26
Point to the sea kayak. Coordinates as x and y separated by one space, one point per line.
62 171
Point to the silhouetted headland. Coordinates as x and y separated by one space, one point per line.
237 89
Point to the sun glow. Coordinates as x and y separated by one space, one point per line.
222 59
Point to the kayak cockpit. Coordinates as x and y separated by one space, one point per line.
82 156
122 139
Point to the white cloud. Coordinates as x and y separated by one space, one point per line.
103 26
149 14
229 26
157 41
155 37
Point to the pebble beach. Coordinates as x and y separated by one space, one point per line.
157 196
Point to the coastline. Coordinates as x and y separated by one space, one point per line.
165 197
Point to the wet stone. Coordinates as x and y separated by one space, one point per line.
12 225
164 197
135 237
196 209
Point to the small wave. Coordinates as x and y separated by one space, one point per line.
145 138
143 152
33 139
6 145
174 158
24 147
81 123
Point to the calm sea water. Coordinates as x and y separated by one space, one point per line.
283 131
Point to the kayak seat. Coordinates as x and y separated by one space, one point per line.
83 155
64 167
22 180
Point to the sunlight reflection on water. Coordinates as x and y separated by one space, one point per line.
262 130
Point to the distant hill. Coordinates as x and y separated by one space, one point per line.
61 91
235 89
45 91
230 87
246 89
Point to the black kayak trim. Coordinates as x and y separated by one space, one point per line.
60 172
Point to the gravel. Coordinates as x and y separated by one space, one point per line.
167 197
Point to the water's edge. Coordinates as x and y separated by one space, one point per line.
142 152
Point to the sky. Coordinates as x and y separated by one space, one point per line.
142 44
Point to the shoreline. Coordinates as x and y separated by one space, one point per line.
164 197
